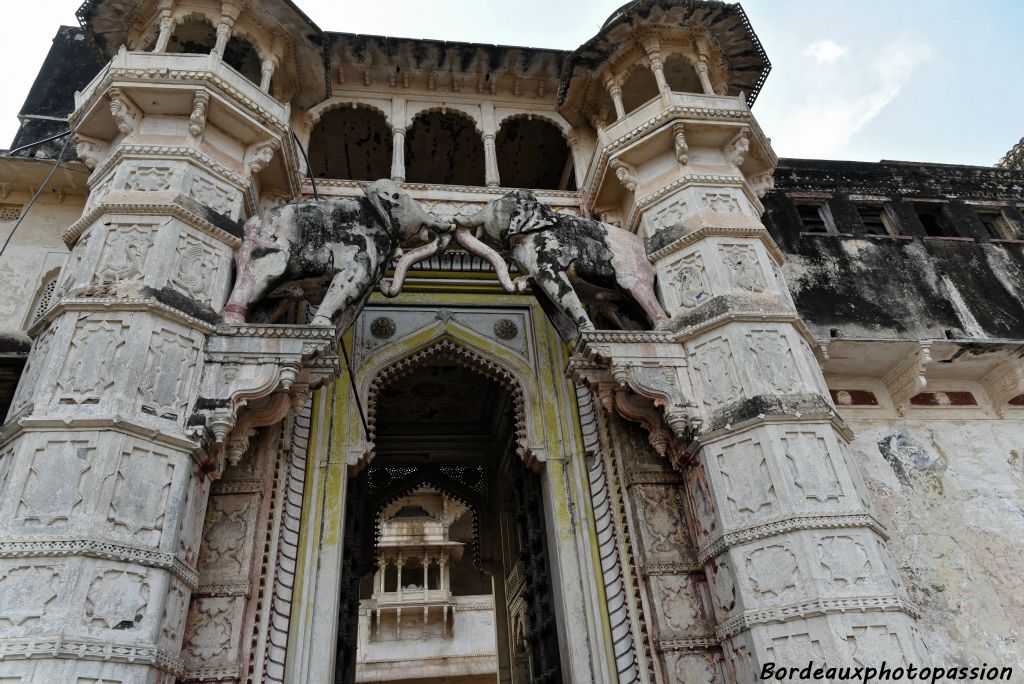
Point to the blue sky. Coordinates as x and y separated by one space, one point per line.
919 80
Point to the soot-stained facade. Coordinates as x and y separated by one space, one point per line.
333 358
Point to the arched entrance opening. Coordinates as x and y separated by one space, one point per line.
445 531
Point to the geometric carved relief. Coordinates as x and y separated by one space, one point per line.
92 361
117 599
669 216
690 281
225 547
34 366
195 270
26 591
723 587
810 465
172 624
721 202
714 364
209 628
211 195
875 644
694 670
53 488
845 559
774 360
748 485
678 603
772 570
149 178
124 254
661 519
167 381
744 270
141 489
795 650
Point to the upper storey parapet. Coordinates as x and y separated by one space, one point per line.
272 43
659 46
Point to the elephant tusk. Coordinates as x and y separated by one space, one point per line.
391 288
477 247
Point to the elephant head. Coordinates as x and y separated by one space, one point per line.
503 221
410 223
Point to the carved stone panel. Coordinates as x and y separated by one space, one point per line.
172 621
226 550
872 645
810 464
749 489
773 364
715 365
693 668
663 527
27 592
689 281
772 571
677 606
92 362
149 178
212 195
744 268
211 637
844 560
197 269
57 483
33 369
141 491
117 599
169 374
124 254
795 650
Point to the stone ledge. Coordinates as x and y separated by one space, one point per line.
24 421
59 647
813 608
689 644
153 306
671 243
811 521
92 548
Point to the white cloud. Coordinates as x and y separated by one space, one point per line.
837 99
825 51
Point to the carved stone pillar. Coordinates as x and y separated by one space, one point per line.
107 458
615 92
701 68
732 393
166 29
491 177
398 155
267 73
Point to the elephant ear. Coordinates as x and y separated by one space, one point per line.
528 216
380 206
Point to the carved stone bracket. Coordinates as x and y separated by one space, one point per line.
126 114
625 173
906 378
679 138
253 376
644 381
1004 382
197 120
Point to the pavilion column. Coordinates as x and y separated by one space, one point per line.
701 67
166 29
398 155
491 177
615 92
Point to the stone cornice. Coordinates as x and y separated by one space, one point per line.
784 525
812 608
81 650
99 423
72 304
94 548
173 209
702 233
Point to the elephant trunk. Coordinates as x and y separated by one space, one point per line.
391 288
475 246
474 221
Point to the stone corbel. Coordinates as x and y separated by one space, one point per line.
90 150
626 174
1004 382
662 384
197 120
259 155
252 377
682 149
5 190
126 115
737 150
762 184
907 377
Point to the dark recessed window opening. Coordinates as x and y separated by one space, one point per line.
873 218
995 224
934 222
814 217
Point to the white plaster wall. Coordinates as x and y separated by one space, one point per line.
956 516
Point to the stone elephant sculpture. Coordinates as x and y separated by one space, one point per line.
558 251
350 241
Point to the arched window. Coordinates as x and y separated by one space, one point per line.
532 153
639 88
193 36
681 76
242 56
353 143
444 148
